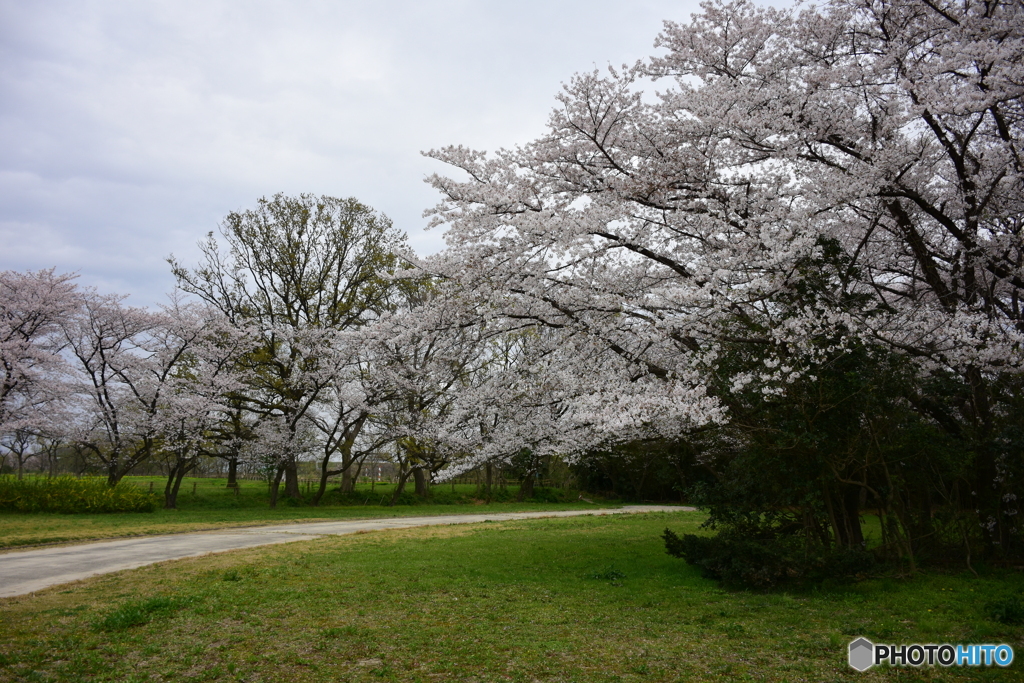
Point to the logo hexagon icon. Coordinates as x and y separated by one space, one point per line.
862 654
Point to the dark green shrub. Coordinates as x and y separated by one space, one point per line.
551 495
1008 611
70 495
442 497
406 497
502 495
740 560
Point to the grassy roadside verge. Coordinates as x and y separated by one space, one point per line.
593 600
206 504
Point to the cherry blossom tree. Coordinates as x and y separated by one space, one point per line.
294 272
102 343
191 374
22 446
32 307
420 358
143 381
803 181
231 433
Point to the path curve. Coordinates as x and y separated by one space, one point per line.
32 570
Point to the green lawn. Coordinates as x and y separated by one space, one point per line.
208 504
589 599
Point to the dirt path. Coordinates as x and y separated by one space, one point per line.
32 570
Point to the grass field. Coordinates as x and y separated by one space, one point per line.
208 504
589 599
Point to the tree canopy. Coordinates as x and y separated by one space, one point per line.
805 186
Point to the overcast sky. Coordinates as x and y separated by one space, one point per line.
128 130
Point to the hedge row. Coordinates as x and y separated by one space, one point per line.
71 495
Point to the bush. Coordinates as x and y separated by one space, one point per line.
70 495
542 495
442 497
742 560
1008 611
406 497
502 495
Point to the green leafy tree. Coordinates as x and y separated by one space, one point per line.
292 272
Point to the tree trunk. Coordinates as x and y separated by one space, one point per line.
838 532
113 476
173 485
233 472
291 480
320 490
843 504
851 511
526 488
325 474
348 477
275 486
170 495
488 478
400 487
422 479
348 483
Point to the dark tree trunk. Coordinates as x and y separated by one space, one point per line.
526 488
422 480
291 480
121 464
275 486
170 496
233 472
488 478
325 474
843 507
177 474
348 484
851 510
400 487
113 476
348 476
321 487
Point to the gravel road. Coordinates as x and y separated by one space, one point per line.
26 571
